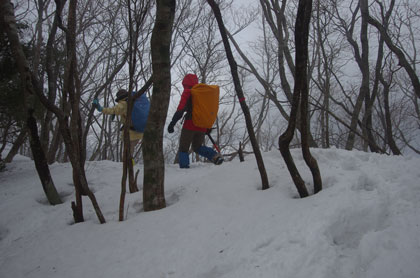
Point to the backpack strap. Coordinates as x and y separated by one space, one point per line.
188 108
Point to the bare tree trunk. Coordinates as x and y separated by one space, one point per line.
274 14
71 135
287 136
9 22
300 94
136 19
301 40
154 164
398 52
132 55
241 153
73 138
55 144
388 123
16 145
324 77
240 94
45 124
127 162
41 163
369 99
361 59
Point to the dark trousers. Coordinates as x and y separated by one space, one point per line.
190 138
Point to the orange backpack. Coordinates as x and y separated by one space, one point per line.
205 104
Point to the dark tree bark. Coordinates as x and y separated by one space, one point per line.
301 39
48 117
300 95
41 162
70 127
397 51
287 136
241 153
16 145
8 23
52 69
54 146
362 59
154 164
369 98
274 14
135 21
324 75
73 134
240 94
388 122
126 153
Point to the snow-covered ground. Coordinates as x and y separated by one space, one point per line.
219 223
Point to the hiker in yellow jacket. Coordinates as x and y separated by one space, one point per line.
121 110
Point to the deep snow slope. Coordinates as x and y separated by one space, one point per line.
219 223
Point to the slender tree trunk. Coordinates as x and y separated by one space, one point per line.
132 55
388 127
240 94
241 153
324 75
9 22
5 132
52 68
126 153
41 162
45 124
55 143
301 38
369 100
71 135
403 62
154 164
71 89
16 145
363 63
287 136
300 95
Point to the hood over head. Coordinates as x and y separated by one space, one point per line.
189 81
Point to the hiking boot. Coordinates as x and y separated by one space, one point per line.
218 159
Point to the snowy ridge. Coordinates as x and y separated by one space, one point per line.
219 223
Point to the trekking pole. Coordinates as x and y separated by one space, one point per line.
214 143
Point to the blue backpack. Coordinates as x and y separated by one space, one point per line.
140 113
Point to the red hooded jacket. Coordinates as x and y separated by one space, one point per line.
189 81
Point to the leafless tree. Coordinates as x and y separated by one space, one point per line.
240 94
8 22
137 12
154 164
300 97
394 48
276 56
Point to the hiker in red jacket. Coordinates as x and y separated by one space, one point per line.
191 135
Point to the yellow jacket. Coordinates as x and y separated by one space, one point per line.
121 110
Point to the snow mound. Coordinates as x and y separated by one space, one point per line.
219 223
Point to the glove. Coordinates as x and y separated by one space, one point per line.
175 118
95 104
171 127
